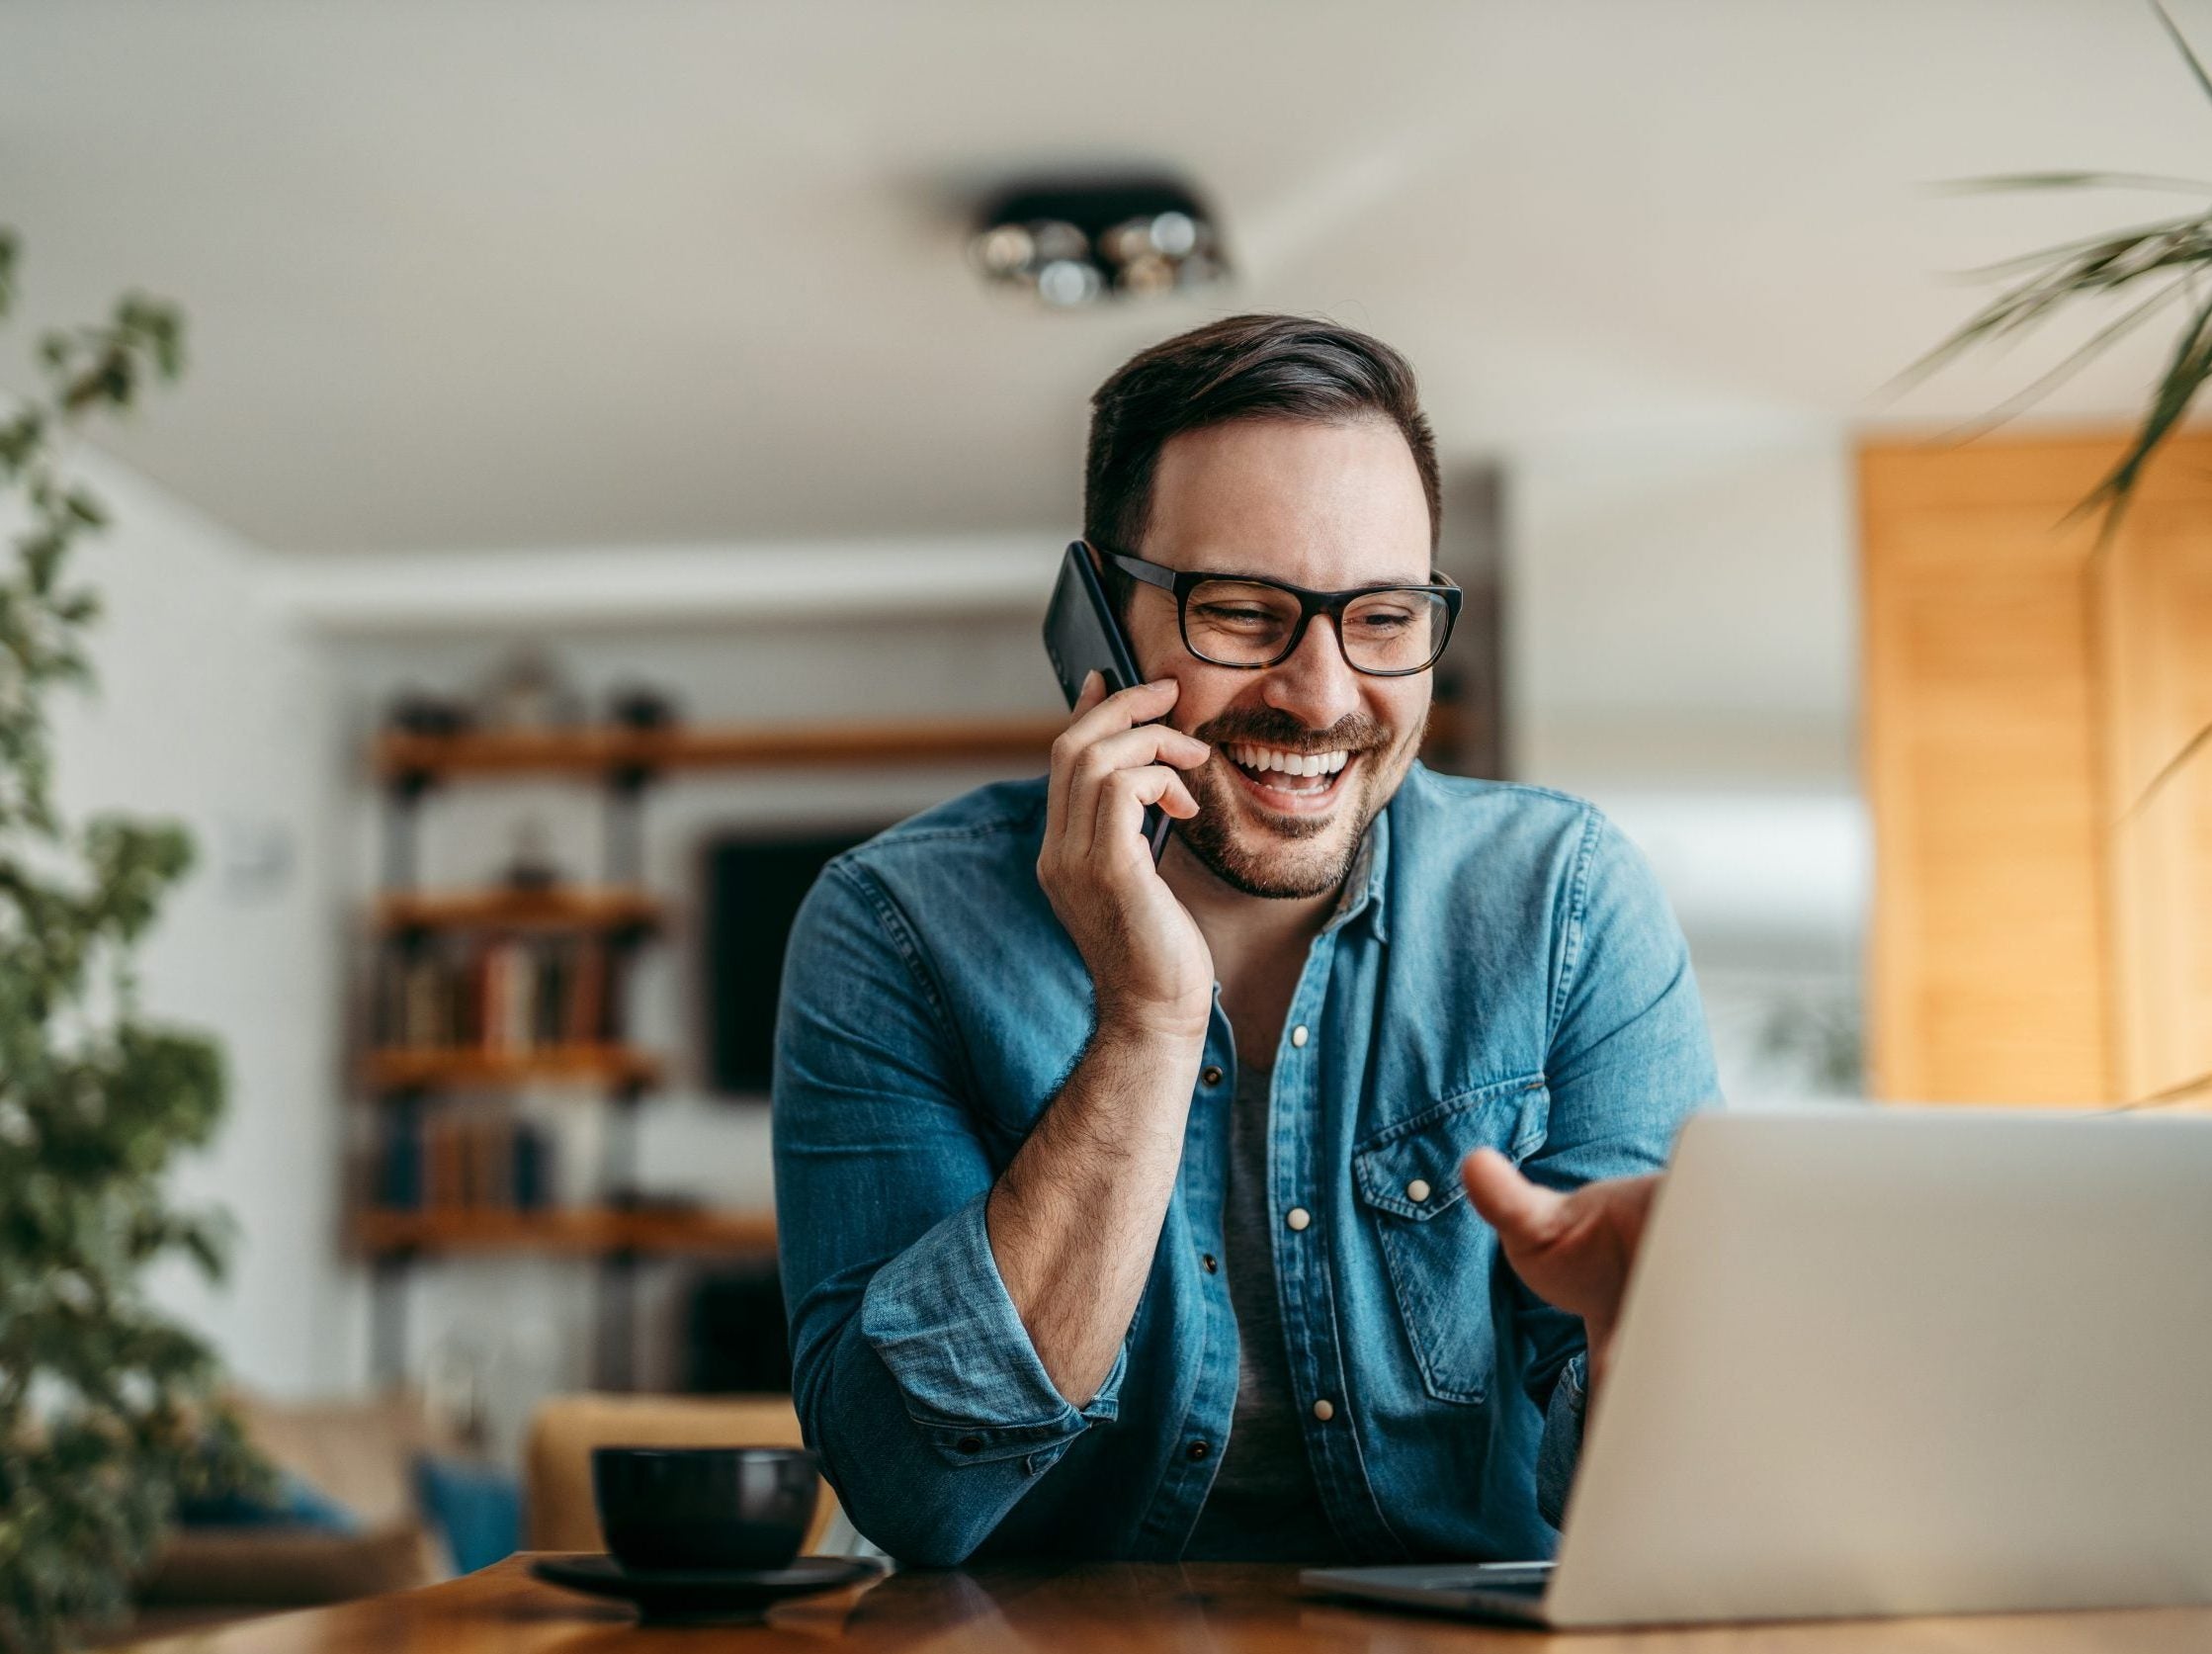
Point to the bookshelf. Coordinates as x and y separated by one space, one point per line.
480 993
465 1069
582 1231
555 908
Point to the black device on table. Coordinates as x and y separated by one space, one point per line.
1084 634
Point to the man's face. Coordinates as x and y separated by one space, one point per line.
1328 507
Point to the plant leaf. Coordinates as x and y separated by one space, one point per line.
2183 46
2186 370
2063 249
2073 362
1998 183
2094 267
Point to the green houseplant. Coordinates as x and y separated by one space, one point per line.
107 1407
2151 267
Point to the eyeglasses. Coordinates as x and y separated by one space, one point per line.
1249 621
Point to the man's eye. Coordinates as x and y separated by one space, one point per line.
1236 617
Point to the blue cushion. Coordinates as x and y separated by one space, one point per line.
293 1503
475 1508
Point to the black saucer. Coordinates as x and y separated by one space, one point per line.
736 1595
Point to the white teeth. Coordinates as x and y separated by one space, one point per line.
1290 763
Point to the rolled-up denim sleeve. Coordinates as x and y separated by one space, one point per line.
913 1377
1629 1060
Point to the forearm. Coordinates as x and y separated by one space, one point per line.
1075 1218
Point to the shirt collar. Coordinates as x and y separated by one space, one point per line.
1363 885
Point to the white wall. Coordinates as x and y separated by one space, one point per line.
215 710
1686 574
1682 645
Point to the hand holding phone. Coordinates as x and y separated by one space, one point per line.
1114 772
1084 634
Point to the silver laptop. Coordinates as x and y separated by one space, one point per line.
1887 1362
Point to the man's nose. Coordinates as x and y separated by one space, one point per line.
1314 685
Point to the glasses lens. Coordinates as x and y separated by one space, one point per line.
1394 631
1237 624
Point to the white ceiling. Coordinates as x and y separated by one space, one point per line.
528 273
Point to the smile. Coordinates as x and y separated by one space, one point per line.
1295 783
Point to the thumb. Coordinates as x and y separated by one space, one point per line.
1516 1208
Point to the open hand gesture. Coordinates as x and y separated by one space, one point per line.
1572 1251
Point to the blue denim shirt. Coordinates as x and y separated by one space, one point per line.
1501 970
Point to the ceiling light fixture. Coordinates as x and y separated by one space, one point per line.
1075 243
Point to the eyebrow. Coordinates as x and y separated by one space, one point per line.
1427 579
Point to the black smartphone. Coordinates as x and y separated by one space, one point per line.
1084 634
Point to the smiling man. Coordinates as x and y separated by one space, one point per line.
1274 1203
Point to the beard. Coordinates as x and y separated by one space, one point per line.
1286 857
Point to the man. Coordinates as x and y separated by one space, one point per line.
1122 1207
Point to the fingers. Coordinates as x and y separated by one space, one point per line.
1097 715
1103 713
1148 743
1520 1211
1119 775
1103 776
1124 797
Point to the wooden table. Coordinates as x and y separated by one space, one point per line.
1100 1608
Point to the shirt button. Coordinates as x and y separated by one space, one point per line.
1196 1451
969 1445
1298 1217
1418 1191
1324 1410
1210 1074
1213 1263
1298 1034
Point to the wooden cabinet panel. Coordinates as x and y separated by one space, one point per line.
1987 956
2161 886
2153 593
2039 772
2155 643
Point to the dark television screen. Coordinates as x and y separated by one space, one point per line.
755 886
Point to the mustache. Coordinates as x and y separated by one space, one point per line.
1354 732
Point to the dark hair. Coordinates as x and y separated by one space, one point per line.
1245 366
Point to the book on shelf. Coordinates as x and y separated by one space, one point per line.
509 996
435 1162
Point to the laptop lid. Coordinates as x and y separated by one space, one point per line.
1881 1361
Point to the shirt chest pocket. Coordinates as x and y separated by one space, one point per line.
1438 1252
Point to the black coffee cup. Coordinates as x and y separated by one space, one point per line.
704 1509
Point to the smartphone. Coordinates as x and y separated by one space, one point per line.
1084 634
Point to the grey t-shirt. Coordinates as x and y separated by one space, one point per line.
1263 1506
